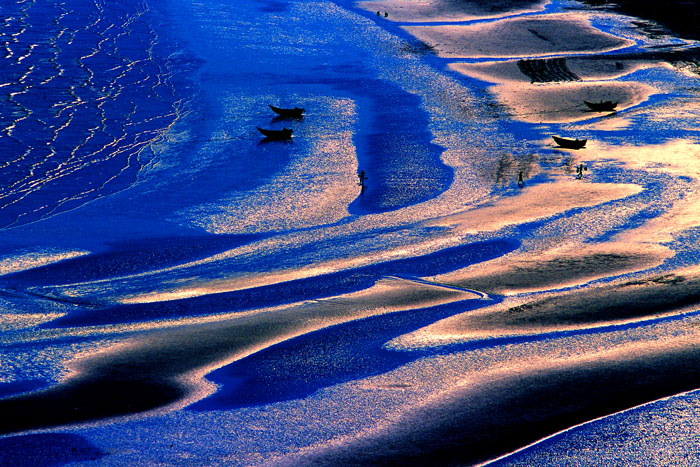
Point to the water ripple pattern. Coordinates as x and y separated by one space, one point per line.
84 94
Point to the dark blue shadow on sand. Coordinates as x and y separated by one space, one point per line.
394 148
128 258
18 387
47 449
326 285
303 365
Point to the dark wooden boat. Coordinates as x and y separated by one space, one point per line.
283 134
296 112
602 106
569 143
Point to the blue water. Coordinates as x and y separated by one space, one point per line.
86 91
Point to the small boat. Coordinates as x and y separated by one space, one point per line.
602 106
283 134
296 112
569 143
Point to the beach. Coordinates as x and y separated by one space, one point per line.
417 274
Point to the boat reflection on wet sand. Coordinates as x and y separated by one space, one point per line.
277 135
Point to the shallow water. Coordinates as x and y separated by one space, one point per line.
145 224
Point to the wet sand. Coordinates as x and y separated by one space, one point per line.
166 367
496 413
564 102
536 202
499 410
530 36
448 10
574 310
558 268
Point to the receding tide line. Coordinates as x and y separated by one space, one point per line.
493 414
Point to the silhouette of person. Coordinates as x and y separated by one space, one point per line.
386 14
579 171
521 182
361 182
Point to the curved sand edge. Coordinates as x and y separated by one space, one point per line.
466 425
164 369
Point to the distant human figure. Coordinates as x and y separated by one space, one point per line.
521 182
361 176
386 14
377 13
579 170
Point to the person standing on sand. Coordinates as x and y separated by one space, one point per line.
579 170
521 182
361 176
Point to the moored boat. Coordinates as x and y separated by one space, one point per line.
282 134
296 112
602 106
569 143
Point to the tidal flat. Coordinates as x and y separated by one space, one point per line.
417 273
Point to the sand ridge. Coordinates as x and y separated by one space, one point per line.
531 36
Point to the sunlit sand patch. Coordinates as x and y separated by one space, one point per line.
557 268
17 321
536 202
33 259
530 400
563 102
619 303
557 101
523 37
448 10
677 157
312 190
165 367
598 67
593 68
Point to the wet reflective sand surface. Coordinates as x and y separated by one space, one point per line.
176 289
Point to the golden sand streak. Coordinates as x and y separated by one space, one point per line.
679 158
593 68
200 348
534 203
563 102
557 268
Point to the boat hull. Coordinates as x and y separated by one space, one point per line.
296 112
601 106
569 143
283 134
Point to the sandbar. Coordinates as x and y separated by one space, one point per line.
495 413
449 10
531 36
